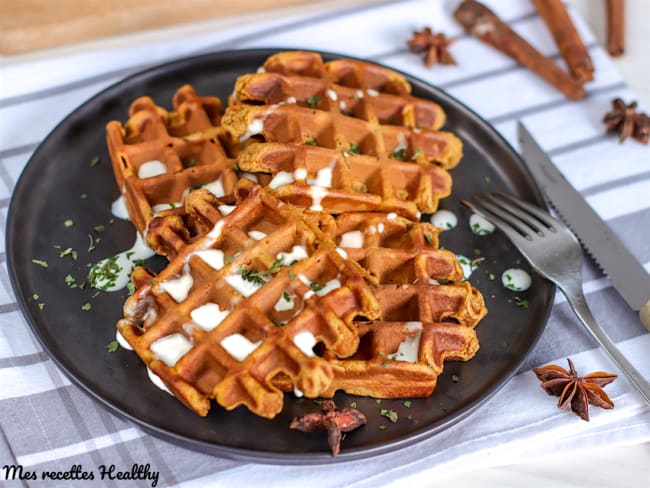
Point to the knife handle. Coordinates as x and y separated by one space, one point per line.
644 314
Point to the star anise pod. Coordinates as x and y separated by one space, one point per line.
574 390
332 420
625 120
435 47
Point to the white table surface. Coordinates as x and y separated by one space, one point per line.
625 466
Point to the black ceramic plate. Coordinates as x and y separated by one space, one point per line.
51 191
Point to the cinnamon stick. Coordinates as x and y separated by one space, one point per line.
481 22
615 27
568 41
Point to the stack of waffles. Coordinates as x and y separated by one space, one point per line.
297 261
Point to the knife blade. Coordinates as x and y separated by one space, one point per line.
626 273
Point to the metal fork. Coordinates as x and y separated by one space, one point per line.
556 254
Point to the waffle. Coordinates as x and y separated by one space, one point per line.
158 155
351 87
428 313
228 314
336 181
294 124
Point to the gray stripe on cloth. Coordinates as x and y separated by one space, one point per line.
551 105
8 307
73 412
627 180
576 145
17 150
24 360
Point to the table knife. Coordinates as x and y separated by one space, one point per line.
626 273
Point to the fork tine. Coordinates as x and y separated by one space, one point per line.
531 220
521 226
541 215
513 234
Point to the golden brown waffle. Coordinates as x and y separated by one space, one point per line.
302 125
337 181
245 303
159 155
401 359
351 87
428 312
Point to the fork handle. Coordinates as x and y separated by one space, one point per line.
579 304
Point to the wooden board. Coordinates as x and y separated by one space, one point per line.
26 25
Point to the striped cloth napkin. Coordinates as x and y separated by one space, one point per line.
48 424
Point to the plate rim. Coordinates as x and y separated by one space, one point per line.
238 453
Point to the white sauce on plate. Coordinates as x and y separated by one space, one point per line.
480 225
409 348
151 169
119 210
112 274
179 288
444 219
352 239
238 346
516 279
208 316
171 348
305 341
155 379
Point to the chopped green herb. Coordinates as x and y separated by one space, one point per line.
131 287
382 427
70 281
417 153
112 346
407 403
389 414
400 154
99 229
292 275
41 306
318 401
428 238
286 296
278 323
354 148
104 274
252 276
311 142
91 243
378 401
488 180
40 262
455 378
69 252
229 259
235 166
313 101
521 303
353 404
443 281
83 196
491 277
86 306
316 286
35 296
504 344
95 161
191 163
68 223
